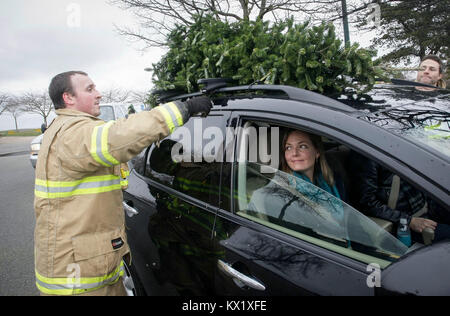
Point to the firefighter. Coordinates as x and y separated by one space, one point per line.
80 237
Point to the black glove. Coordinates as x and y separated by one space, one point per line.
199 105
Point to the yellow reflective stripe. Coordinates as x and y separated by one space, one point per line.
94 153
167 118
172 115
87 280
431 127
89 185
177 113
56 184
99 145
70 286
105 151
439 137
124 173
72 291
55 195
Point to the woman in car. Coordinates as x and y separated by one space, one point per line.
303 156
306 192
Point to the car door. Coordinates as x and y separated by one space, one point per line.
174 187
266 254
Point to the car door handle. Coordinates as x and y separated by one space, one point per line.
235 274
131 211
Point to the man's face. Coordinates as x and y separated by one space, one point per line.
429 72
86 98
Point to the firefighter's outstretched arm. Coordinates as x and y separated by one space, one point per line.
109 144
173 110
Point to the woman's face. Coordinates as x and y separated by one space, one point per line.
300 153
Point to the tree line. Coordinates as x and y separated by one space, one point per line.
39 103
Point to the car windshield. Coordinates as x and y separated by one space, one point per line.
299 208
106 113
421 116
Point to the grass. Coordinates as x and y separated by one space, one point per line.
21 132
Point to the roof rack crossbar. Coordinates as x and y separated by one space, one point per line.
292 93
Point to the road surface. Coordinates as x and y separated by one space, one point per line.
16 218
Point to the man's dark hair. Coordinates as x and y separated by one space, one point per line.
436 59
62 83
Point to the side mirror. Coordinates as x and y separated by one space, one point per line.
421 272
43 128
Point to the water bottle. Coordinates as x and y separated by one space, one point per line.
403 232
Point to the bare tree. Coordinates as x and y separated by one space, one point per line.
157 18
115 95
4 97
13 106
38 103
138 97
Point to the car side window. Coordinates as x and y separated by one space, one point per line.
296 207
292 205
189 160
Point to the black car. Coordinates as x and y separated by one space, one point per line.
192 229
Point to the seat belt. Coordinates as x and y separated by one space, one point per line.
427 233
395 190
393 197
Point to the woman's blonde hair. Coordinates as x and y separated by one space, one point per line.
316 140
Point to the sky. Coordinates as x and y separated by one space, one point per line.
41 38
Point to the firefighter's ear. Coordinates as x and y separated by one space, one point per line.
68 98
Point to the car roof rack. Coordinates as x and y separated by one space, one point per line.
402 82
296 94
219 85
212 84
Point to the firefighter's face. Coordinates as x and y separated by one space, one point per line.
86 98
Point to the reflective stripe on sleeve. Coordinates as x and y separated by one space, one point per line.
172 115
89 185
99 145
124 178
73 286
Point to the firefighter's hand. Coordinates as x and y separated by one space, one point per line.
199 105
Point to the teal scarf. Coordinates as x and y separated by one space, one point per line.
320 182
310 190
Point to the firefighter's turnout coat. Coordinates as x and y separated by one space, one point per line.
80 236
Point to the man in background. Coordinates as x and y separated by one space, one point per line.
431 71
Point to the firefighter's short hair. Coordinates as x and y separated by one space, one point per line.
60 84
